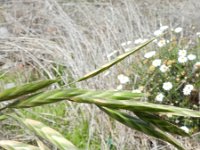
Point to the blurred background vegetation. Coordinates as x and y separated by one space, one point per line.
44 39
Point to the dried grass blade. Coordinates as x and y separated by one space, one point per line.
14 145
46 133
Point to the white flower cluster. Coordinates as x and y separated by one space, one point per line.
183 57
162 42
188 89
163 68
159 32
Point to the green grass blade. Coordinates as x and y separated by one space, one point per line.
142 126
85 96
14 145
58 95
160 123
117 95
115 61
24 89
46 133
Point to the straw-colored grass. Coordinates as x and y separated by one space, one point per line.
67 39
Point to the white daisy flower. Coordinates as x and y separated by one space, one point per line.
161 43
188 89
156 62
158 32
159 97
189 86
178 29
163 28
167 86
150 54
186 129
182 52
191 57
123 79
182 59
120 87
164 68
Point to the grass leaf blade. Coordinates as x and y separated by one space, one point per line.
113 62
24 89
142 126
14 145
160 123
85 96
46 133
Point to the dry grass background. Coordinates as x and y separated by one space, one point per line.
42 35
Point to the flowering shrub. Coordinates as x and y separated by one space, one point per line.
169 73
171 76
